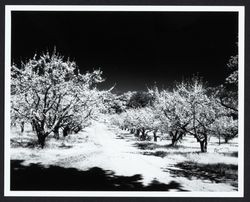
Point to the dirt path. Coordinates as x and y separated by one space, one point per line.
113 150
124 158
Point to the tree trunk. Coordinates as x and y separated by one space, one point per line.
41 139
203 145
56 133
175 138
66 131
137 133
226 140
41 134
22 126
155 136
33 127
143 135
174 142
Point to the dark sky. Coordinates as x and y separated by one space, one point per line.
134 49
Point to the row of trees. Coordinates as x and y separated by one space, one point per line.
191 108
52 95
187 110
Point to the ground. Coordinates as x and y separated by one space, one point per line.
113 159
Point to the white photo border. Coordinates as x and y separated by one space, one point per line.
241 34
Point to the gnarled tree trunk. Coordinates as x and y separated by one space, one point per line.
203 145
41 134
41 138
176 136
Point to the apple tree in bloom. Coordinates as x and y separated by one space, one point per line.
51 93
228 91
115 104
225 127
169 109
203 110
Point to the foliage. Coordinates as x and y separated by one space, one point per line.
140 99
189 109
51 93
227 93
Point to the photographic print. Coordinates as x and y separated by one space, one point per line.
124 101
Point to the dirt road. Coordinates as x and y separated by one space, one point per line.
116 151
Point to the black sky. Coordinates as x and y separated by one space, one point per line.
134 49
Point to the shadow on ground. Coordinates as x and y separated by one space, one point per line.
218 173
36 177
148 148
151 146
